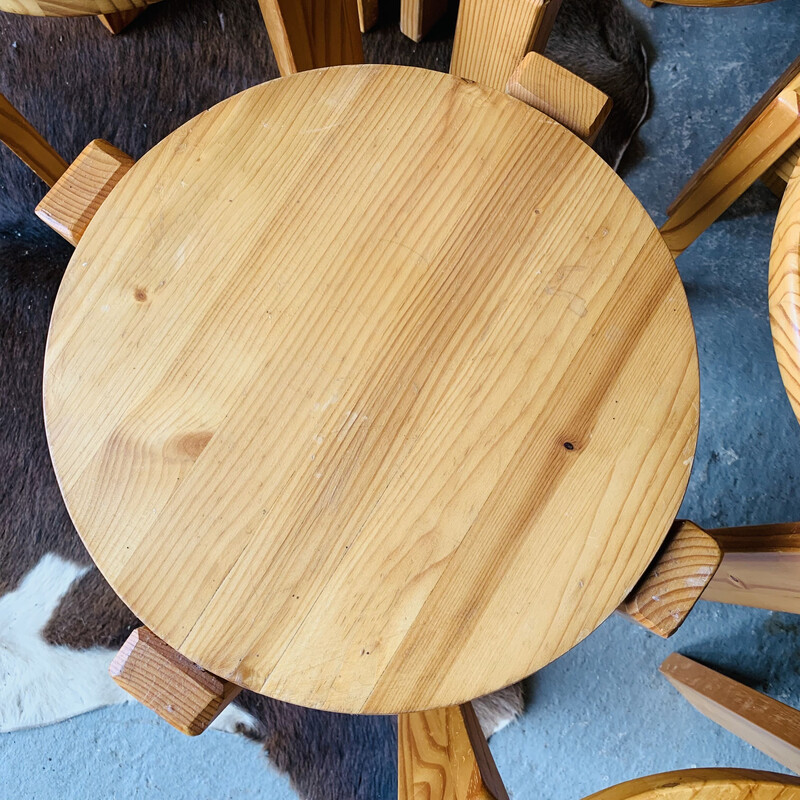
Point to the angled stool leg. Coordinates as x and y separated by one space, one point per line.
308 34
770 726
417 17
760 567
443 755
492 38
115 23
180 692
70 205
28 145
757 142
560 94
367 14
675 580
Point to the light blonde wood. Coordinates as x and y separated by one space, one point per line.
757 142
71 8
760 567
182 694
28 144
560 94
70 205
777 176
492 38
706 784
675 580
116 23
784 290
367 14
308 34
339 429
770 726
443 754
417 17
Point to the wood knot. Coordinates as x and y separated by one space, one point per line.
140 294
192 444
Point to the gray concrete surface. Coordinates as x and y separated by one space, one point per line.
600 714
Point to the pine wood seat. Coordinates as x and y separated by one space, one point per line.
706 784
342 410
115 15
71 8
784 290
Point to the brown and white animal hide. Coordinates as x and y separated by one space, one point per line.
59 620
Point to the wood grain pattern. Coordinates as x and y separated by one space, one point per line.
784 290
706 784
359 422
180 692
71 8
367 14
116 23
760 567
28 144
309 34
675 580
492 38
766 132
443 754
562 95
777 176
70 205
768 725
417 17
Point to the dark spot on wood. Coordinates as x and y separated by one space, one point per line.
140 294
192 444
569 446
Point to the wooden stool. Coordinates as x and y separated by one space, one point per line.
321 32
706 784
114 14
762 144
770 726
347 387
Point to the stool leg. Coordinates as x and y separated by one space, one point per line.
308 34
562 95
28 145
367 14
770 726
675 580
180 692
417 17
443 755
492 37
116 22
757 142
72 202
760 567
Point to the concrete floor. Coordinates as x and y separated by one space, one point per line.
601 714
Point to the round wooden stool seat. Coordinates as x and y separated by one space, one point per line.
784 291
372 389
71 8
706 784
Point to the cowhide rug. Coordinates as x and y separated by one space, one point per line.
59 621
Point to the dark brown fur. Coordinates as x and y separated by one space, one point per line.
75 83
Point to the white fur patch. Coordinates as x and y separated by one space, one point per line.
496 710
42 683
233 719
